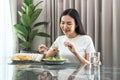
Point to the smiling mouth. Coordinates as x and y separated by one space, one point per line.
66 31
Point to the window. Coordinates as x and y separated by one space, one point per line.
6 40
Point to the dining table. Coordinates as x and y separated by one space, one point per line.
34 70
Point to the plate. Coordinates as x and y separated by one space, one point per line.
54 61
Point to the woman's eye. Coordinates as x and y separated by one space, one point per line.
69 24
62 23
66 23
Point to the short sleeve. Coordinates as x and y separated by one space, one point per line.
90 46
55 43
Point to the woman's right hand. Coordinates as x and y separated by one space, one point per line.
42 48
70 46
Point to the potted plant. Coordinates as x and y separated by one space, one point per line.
26 28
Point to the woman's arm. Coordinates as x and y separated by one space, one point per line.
71 47
47 53
50 52
42 48
83 60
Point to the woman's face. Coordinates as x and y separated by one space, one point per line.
67 25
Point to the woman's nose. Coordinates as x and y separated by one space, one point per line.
65 26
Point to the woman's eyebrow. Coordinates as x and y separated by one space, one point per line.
66 21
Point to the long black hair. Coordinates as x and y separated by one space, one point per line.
74 14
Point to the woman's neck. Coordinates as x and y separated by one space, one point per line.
72 35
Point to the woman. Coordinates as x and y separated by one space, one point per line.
74 45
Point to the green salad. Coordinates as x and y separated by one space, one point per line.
55 58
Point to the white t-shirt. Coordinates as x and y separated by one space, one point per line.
83 44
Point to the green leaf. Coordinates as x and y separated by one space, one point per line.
38 3
25 19
23 8
26 44
40 23
35 14
21 29
33 34
24 5
29 11
42 34
20 13
21 37
32 7
28 2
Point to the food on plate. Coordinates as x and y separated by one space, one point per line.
55 59
22 57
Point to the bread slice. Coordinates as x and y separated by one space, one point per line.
22 57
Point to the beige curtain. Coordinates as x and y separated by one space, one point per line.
13 10
101 20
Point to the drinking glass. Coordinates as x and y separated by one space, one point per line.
95 58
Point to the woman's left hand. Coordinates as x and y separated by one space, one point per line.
70 46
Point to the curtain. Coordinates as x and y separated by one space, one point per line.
6 40
101 20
